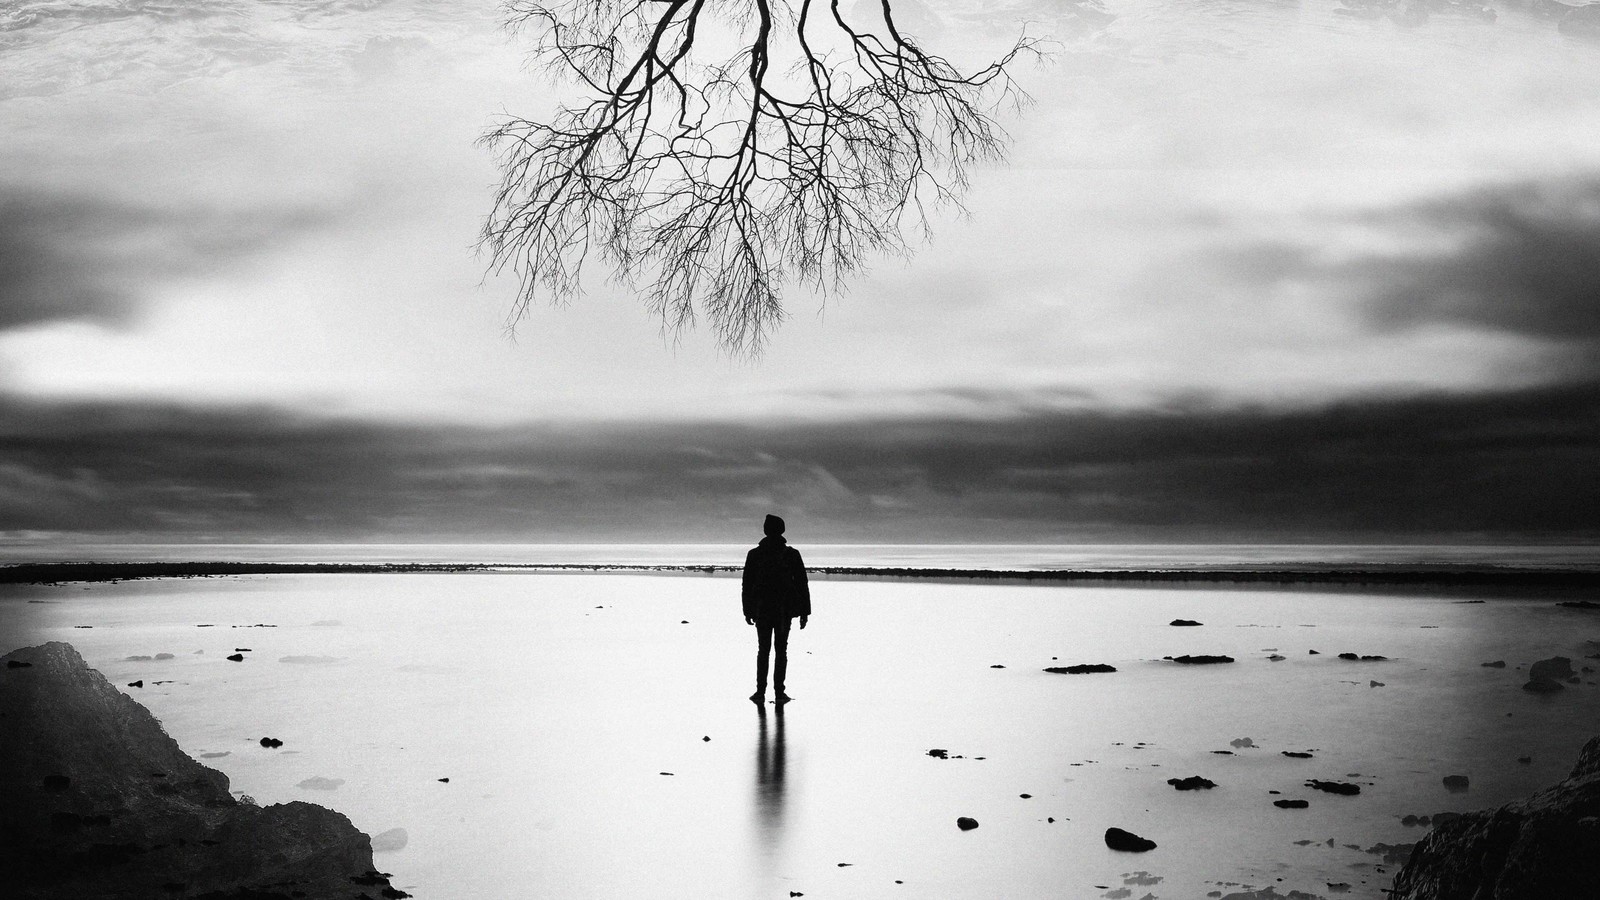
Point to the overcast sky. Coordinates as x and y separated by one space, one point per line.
1254 271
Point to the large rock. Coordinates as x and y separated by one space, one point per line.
96 801
1545 846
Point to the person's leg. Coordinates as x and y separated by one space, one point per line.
780 666
763 649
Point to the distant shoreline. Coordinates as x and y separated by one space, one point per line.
57 573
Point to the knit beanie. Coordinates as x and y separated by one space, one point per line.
773 525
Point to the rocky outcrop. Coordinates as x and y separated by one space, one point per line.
97 801
1545 846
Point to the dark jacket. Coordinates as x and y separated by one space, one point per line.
775 581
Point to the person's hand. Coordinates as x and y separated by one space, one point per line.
749 621
803 622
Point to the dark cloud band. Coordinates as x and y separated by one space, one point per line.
1513 466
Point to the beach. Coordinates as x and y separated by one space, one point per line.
587 734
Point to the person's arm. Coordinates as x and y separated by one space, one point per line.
802 588
745 598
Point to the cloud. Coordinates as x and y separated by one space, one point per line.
1524 258
73 257
1511 466
1519 260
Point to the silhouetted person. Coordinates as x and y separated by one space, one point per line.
774 592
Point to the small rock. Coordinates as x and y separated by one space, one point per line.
318 783
1497 664
1026 796
1276 658
1295 754
1555 668
1127 841
271 742
447 781
137 684
236 657
1184 622
243 650
137 658
1457 782
706 738
1291 804
1360 658
1241 742
1373 684
1312 653
1199 660
939 753
1084 669
1192 783
1334 787
966 823
164 656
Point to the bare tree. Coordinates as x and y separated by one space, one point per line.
722 149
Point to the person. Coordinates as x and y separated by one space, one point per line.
774 591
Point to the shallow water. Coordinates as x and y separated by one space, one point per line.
554 703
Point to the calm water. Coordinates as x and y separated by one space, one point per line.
963 556
556 703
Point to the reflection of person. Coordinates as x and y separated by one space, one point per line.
774 592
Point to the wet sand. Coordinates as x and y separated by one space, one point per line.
554 704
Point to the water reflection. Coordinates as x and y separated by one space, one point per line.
770 753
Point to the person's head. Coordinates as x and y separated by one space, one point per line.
773 526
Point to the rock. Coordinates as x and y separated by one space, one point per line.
1241 742
236 657
1312 653
706 738
318 783
390 841
1457 782
1544 846
1295 754
1373 684
1184 622
270 742
1555 668
1127 841
1594 20
939 753
1497 664
1291 804
86 769
137 658
1199 660
1359 658
966 823
1084 669
1334 787
164 656
1192 783
447 781
1542 686
1026 796
1277 658
137 684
